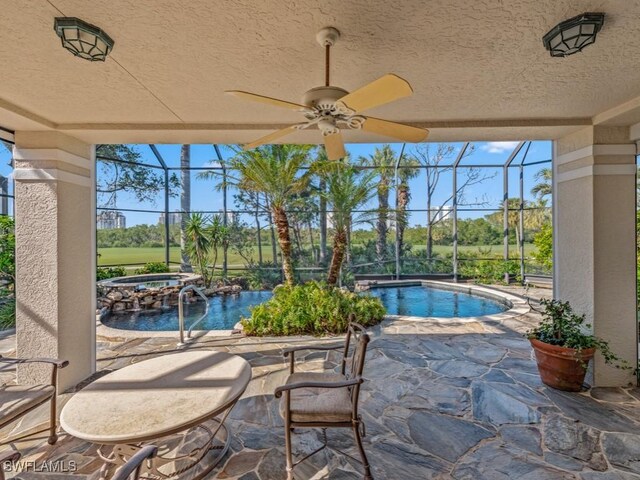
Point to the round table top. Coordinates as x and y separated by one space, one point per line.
156 397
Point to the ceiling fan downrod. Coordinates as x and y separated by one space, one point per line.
327 58
327 37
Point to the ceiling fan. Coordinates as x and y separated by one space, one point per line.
333 108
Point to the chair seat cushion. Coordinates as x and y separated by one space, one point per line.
319 405
17 399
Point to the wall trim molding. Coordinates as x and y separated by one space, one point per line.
49 154
597 170
50 175
596 150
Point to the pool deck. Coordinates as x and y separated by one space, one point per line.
442 400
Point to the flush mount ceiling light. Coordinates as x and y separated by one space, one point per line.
83 39
572 35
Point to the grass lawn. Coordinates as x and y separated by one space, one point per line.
140 256
134 255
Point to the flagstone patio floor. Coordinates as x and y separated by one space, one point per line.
457 400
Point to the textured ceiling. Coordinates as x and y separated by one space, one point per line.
468 60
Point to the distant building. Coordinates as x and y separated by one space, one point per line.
108 219
442 214
174 218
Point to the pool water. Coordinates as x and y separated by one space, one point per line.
421 301
224 313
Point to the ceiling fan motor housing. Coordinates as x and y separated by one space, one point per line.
323 98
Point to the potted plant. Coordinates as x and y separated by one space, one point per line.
563 346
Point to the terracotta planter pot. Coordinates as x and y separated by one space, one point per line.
560 367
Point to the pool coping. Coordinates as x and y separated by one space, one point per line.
517 307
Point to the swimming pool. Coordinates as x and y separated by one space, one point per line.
424 301
225 311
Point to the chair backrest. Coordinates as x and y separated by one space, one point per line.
355 351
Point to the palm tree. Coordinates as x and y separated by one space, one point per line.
185 205
383 159
408 170
276 172
543 188
346 192
198 244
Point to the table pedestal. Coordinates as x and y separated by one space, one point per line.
186 456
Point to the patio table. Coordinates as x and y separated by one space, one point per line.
158 398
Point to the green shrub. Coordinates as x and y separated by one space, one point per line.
152 267
103 273
489 271
543 240
311 309
7 248
8 313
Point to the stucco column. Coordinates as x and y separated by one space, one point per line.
594 238
55 254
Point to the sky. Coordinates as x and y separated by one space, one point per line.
486 196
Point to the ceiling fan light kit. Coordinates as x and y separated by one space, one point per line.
331 108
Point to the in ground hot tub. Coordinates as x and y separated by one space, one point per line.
143 292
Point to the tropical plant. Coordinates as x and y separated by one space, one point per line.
197 244
185 205
311 309
219 235
407 169
562 327
152 267
278 172
543 188
346 191
383 159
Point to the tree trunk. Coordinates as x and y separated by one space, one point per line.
298 238
282 225
401 222
274 252
323 223
381 224
339 248
313 243
185 206
259 233
348 246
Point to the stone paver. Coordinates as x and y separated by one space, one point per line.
441 401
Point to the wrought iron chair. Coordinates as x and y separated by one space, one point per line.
326 400
18 400
129 471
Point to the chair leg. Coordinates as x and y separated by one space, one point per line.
53 436
363 455
287 446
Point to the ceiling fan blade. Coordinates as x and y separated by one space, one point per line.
406 133
334 145
386 89
271 137
267 100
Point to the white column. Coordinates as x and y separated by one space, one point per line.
55 254
595 239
